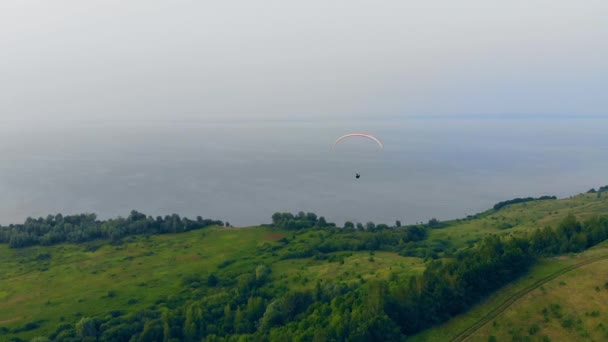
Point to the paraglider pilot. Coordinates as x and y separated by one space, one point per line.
357 176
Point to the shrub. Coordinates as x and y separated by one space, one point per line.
534 329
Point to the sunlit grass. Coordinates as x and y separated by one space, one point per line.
517 316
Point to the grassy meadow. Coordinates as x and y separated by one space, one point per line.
62 283
571 307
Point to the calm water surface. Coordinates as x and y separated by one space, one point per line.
243 172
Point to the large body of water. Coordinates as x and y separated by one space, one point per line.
243 172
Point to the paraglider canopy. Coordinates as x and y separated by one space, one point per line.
359 135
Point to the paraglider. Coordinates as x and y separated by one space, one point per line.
359 135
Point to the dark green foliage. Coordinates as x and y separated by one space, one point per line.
334 239
85 227
213 280
503 204
87 327
226 263
570 236
534 329
435 223
448 288
43 257
302 220
28 326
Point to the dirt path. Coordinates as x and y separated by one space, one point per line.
509 301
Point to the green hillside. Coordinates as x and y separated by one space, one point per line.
570 281
218 281
47 286
571 307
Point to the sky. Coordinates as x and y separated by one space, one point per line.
299 60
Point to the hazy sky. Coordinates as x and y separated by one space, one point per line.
301 59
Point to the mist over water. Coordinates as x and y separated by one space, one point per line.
242 172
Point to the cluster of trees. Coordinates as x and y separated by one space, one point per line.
56 229
599 191
303 220
569 236
322 237
392 240
299 221
436 224
503 204
369 226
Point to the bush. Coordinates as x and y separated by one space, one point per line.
226 263
534 329
213 280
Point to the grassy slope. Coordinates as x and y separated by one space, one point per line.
529 216
523 217
545 268
578 293
77 282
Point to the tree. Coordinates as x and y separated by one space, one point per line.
433 223
153 331
190 330
213 280
261 273
272 316
86 327
239 321
569 225
321 222
349 225
166 325
277 218
228 319
255 308
312 217
397 223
